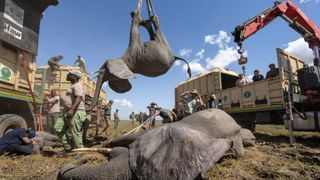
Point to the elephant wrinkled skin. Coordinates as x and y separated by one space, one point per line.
180 150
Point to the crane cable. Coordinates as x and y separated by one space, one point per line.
150 8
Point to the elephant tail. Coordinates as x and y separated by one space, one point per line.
189 70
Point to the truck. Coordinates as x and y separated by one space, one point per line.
296 89
19 36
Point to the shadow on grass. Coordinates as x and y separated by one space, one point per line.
311 142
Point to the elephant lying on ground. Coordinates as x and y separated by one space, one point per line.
181 150
152 58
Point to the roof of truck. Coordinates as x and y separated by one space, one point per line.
216 69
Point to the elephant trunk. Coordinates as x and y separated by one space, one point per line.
117 168
100 81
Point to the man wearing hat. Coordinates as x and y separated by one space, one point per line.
75 115
273 72
18 141
193 102
210 103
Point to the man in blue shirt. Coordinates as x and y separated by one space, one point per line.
18 141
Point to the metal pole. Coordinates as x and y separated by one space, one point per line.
292 140
316 51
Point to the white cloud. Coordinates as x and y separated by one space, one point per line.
300 48
185 52
177 63
200 54
250 77
221 39
123 103
307 1
195 67
223 58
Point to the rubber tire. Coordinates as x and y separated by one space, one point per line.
11 121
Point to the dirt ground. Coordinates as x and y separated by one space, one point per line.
272 158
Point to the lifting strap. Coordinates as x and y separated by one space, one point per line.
149 6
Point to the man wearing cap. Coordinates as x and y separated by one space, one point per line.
193 102
18 141
152 111
273 72
75 114
257 76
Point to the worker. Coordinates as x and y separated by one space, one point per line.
210 102
193 102
116 118
132 119
53 110
273 72
166 115
18 141
241 81
75 114
220 105
152 111
107 116
257 76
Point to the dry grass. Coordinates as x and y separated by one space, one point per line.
272 158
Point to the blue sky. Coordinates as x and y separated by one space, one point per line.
200 31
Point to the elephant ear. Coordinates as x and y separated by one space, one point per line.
119 69
120 86
119 75
175 152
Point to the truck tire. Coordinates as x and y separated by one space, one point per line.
9 122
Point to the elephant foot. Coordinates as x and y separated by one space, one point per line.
135 15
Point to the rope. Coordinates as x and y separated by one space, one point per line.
139 6
25 68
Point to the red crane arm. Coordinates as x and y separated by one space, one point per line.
290 12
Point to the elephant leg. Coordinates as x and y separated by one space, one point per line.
135 39
117 168
148 25
159 36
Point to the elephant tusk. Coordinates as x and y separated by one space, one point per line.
99 150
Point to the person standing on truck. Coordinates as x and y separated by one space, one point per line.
107 116
257 76
75 114
241 81
18 141
116 118
53 110
273 72
193 102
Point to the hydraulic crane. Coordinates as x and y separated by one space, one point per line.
292 14
309 76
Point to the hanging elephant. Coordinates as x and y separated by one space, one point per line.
180 150
152 58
